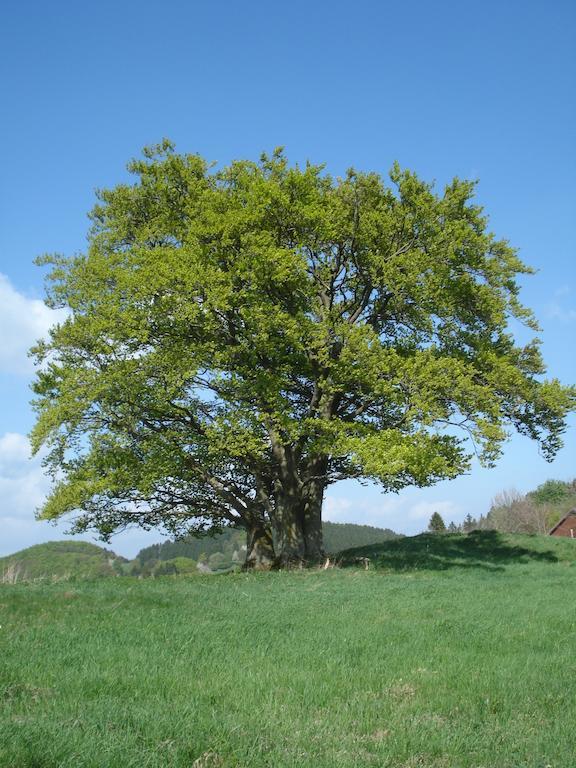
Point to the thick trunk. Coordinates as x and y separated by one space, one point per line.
298 520
289 544
312 518
312 526
298 491
259 546
313 542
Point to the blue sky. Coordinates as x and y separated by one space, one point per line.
479 90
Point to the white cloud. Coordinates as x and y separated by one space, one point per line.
398 512
23 485
23 488
424 510
23 321
14 449
556 311
337 508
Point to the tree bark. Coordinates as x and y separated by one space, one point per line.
259 546
298 518
289 544
312 517
312 528
298 491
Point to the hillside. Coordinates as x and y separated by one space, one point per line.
449 652
488 550
59 560
230 543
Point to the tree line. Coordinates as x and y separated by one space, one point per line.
513 512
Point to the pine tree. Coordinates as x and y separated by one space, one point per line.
469 523
436 524
453 528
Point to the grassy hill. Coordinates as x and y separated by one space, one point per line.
449 652
59 560
337 536
482 550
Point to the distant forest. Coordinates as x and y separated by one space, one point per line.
337 536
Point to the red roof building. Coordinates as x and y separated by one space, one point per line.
566 526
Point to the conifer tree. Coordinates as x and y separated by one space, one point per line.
469 523
436 524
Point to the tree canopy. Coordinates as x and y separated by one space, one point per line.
240 338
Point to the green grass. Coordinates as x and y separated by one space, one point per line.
450 652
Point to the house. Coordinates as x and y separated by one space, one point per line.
566 526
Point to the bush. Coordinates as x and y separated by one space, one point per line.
219 562
183 565
164 568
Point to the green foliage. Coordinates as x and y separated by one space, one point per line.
219 562
60 560
244 336
436 524
340 668
339 536
555 492
183 565
130 568
164 568
469 524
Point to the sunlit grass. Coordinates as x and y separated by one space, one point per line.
470 664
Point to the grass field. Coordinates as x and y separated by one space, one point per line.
449 652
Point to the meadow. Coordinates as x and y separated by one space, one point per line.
448 652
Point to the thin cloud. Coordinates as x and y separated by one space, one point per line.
563 290
557 312
424 510
23 321
23 484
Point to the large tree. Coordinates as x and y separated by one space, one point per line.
238 339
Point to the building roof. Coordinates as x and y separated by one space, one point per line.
571 513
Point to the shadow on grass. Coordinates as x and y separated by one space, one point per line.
486 550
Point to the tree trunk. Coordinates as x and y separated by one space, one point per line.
312 529
298 491
312 518
289 544
298 520
259 546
